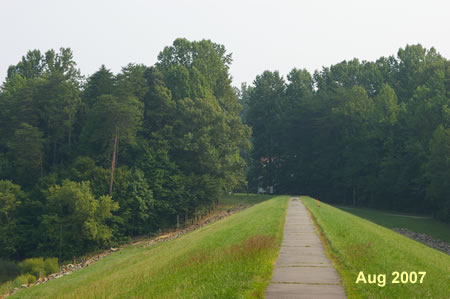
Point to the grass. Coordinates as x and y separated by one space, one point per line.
389 219
355 244
234 200
230 258
6 287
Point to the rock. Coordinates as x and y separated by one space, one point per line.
114 249
424 239
24 286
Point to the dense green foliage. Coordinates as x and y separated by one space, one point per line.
88 162
356 244
39 267
363 133
236 253
13 275
8 270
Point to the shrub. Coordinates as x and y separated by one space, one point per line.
24 279
39 267
6 288
33 266
51 265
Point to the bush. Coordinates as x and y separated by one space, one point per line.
39 267
23 279
33 266
6 288
51 265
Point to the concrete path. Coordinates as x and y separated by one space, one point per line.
302 269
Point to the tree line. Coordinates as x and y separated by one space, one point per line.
86 163
374 134
89 162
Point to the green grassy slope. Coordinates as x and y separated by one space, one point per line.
237 199
426 225
230 258
360 245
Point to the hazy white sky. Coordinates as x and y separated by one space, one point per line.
273 35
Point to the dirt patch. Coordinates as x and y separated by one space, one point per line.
242 250
252 246
362 251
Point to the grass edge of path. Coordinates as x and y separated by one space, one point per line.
260 287
356 245
344 275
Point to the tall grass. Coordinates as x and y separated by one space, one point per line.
356 244
230 258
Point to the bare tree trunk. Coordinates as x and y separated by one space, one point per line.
113 165
117 152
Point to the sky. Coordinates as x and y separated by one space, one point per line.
261 35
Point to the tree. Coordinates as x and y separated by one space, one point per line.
243 95
31 66
265 112
136 201
17 105
99 83
131 81
437 173
25 150
198 69
75 220
207 114
59 100
43 91
11 197
111 120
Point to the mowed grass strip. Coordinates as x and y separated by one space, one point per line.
356 244
230 258
391 219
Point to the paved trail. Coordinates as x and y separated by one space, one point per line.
302 269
